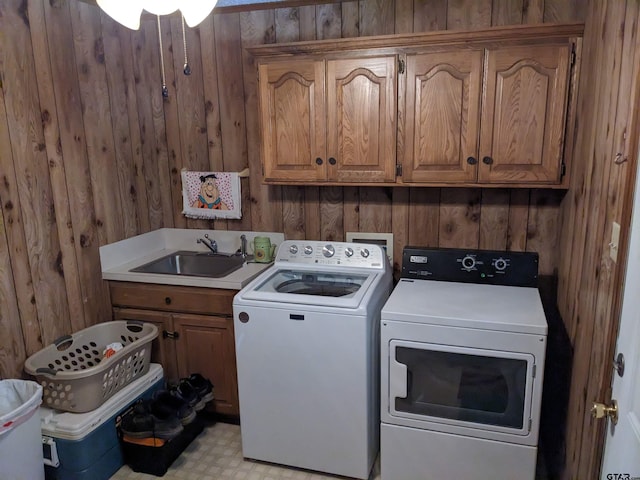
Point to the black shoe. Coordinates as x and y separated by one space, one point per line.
141 423
185 391
202 385
164 404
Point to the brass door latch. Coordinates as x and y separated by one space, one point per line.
600 410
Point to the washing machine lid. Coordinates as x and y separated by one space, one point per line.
312 286
485 307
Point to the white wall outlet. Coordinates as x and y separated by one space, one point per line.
615 241
385 240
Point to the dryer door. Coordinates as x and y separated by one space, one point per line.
460 386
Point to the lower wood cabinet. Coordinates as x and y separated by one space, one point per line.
195 332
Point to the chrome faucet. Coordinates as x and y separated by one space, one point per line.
210 244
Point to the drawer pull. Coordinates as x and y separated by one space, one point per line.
167 300
174 335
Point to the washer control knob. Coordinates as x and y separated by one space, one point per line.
348 252
468 262
500 264
308 250
365 253
328 251
293 249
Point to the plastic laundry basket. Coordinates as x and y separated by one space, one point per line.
20 435
77 377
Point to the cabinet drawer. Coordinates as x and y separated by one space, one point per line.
172 298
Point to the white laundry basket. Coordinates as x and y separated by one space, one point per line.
20 435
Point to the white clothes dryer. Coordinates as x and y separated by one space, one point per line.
463 341
307 350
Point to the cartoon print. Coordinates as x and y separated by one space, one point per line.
209 196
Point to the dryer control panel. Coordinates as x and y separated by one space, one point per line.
306 252
491 267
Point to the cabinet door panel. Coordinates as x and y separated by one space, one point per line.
442 116
293 120
361 119
162 349
206 345
524 114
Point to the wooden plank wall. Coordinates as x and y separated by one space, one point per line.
91 153
600 193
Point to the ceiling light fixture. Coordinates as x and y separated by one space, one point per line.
127 12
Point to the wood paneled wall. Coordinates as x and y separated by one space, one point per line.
600 192
91 153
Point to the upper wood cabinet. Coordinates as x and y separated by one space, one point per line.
488 107
492 115
328 120
523 114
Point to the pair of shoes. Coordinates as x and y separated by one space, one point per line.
202 385
196 390
141 422
164 404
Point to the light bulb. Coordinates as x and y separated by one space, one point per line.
161 7
126 12
195 11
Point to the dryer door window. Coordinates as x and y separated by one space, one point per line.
462 386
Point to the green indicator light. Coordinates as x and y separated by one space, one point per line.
482 275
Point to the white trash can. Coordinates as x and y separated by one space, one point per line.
20 435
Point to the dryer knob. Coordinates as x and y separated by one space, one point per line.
468 262
308 250
293 249
500 264
348 252
365 253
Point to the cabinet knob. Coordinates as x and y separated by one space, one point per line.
332 161
318 161
472 160
167 300
487 160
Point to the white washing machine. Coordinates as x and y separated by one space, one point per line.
463 341
307 350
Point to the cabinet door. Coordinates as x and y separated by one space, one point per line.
162 348
361 119
523 114
442 116
292 112
205 345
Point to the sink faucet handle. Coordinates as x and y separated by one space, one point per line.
243 245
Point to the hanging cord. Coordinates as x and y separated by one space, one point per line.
165 90
186 69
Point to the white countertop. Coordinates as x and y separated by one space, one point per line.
119 258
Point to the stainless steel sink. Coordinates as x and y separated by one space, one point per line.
195 264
